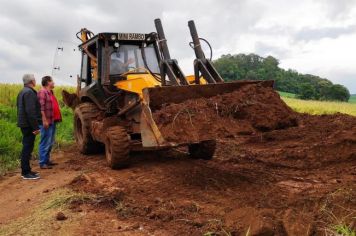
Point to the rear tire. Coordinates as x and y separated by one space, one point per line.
117 147
83 115
203 150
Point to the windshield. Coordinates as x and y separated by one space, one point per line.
129 57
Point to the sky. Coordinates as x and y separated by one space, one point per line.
311 36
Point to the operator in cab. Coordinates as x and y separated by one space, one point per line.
117 64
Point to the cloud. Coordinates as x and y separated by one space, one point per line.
310 36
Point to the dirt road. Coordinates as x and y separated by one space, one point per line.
295 181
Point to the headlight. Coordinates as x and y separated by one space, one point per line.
113 37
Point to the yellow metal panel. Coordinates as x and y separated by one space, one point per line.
191 79
136 82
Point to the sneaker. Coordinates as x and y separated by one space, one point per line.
35 173
45 167
30 176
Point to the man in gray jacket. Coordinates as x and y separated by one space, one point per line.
28 119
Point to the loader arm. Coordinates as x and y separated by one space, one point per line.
202 65
85 35
169 67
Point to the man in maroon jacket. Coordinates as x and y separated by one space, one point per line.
50 116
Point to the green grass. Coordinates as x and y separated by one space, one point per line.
10 134
286 95
320 107
353 98
344 230
8 93
292 95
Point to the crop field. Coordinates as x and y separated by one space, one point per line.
320 107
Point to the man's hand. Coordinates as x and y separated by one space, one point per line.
130 60
36 132
44 120
45 124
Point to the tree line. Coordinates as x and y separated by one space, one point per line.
255 67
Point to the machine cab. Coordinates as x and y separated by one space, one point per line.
106 57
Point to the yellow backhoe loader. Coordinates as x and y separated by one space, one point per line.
124 78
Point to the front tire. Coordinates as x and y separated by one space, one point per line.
117 147
83 115
203 150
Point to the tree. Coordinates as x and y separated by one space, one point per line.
339 92
254 67
251 75
306 91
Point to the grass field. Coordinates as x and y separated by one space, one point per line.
353 98
10 135
292 95
319 107
286 95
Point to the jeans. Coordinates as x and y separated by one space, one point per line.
28 142
46 143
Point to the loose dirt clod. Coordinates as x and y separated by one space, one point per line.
60 216
249 110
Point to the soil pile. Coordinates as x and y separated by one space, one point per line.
249 110
317 141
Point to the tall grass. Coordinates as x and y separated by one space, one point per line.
10 134
8 93
320 107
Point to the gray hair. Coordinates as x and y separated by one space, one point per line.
28 78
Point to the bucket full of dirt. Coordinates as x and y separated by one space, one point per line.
191 114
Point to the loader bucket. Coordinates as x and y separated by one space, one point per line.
155 98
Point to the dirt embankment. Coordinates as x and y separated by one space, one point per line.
257 117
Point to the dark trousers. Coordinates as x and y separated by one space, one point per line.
28 142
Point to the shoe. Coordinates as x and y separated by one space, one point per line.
46 167
52 163
30 176
35 173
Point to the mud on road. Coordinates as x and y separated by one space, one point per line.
287 174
